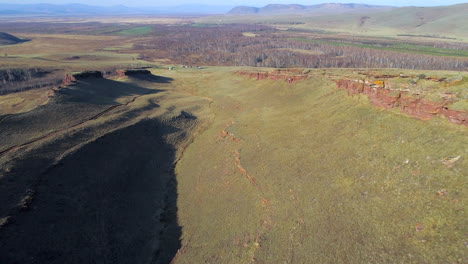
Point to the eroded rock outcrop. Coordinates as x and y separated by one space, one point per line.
457 117
290 75
409 103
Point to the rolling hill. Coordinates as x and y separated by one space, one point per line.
446 20
440 21
434 22
7 39
81 9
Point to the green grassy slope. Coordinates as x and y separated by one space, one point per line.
444 21
135 31
276 173
310 175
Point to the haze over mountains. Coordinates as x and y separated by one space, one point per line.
295 8
81 9
76 9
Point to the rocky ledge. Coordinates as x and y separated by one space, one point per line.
409 103
289 75
72 78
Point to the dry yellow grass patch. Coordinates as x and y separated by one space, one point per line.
249 34
23 101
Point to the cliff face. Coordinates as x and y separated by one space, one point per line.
72 78
417 107
123 73
291 76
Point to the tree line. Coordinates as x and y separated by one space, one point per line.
16 80
227 45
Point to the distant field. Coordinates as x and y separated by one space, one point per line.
409 48
70 52
448 22
135 31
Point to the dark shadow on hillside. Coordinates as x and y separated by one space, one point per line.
8 39
24 40
102 91
146 75
112 201
72 105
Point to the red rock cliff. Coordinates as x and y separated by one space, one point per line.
417 107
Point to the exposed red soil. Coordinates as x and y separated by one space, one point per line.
267 224
417 107
68 79
243 170
290 75
457 117
391 76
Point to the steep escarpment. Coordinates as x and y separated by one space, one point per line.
72 78
408 102
116 195
133 72
89 177
407 92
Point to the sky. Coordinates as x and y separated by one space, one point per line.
257 3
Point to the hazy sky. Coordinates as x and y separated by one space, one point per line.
239 2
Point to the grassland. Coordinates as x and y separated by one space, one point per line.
208 166
37 52
400 47
283 173
135 31
445 22
334 179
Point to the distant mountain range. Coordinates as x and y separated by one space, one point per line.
296 9
80 9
